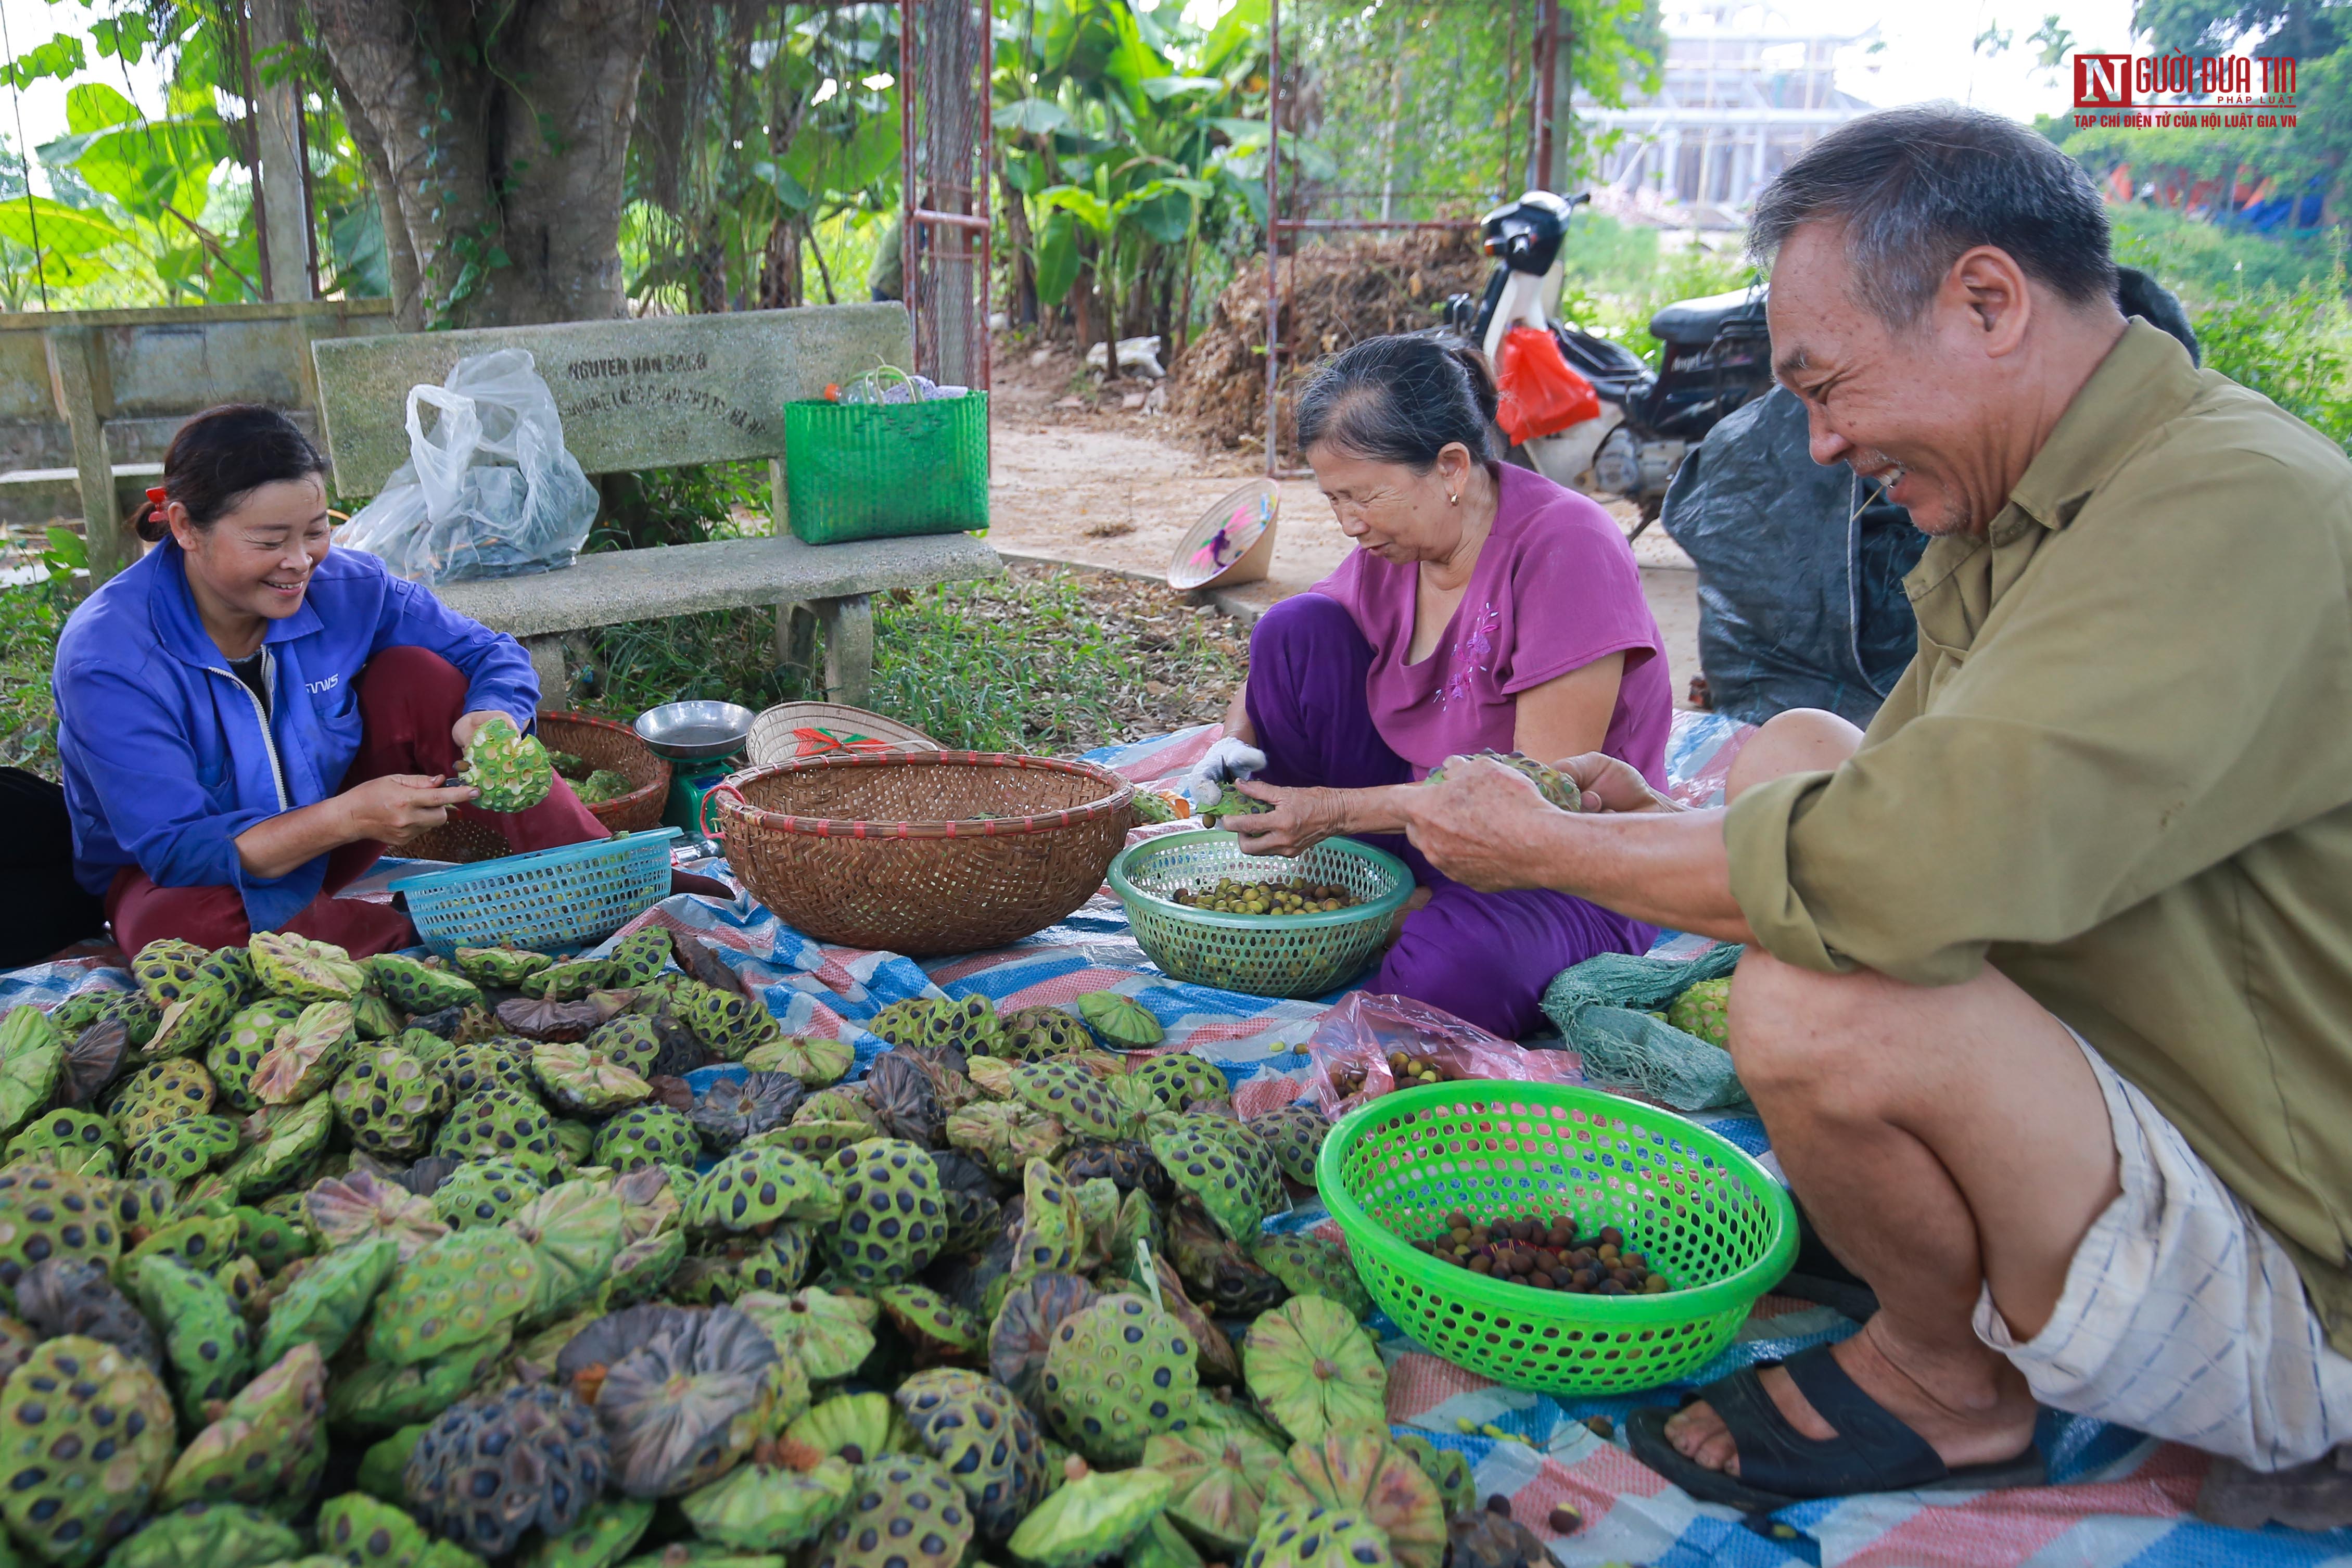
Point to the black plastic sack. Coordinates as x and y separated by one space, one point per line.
1800 601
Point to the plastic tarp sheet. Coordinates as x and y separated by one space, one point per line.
1800 601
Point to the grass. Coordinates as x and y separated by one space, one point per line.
1022 663
1017 663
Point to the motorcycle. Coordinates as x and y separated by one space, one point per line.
1715 355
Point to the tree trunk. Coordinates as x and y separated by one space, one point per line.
494 140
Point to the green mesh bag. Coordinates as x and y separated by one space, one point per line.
877 470
1603 1009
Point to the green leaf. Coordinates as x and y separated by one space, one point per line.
1161 89
69 231
125 37
66 547
1032 115
61 57
1085 205
794 196
1058 259
94 106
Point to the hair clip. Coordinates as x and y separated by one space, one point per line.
156 496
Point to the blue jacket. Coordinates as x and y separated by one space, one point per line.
165 756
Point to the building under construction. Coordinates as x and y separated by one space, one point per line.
1740 95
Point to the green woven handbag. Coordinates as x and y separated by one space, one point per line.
878 470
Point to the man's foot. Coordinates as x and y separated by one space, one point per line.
706 886
1967 1417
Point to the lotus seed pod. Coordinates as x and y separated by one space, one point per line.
286 1140
814 1061
502 1124
286 964
574 1230
73 1296
73 1139
824 1332
505 968
903 1507
1311 1265
1219 1481
728 1025
1295 1134
982 1437
602 1536
733 1110
159 1092
1315 1370
459 1290
483 1192
206 1341
217 1535
574 1078
1450 1470
490 1470
1704 1010
250 1453
387 1100
1206 1168
1091 1517
755 1188
769 1508
509 768
1121 1021
569 979
77 1484
237 1051
675 1408
1365 1473
892 1222
380 1397
640 957
1073 1096
1116 1373
646 1136
416 987
1557 788
360 1206
307 1054
1316 1538
49 1214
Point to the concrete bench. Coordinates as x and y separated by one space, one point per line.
664 393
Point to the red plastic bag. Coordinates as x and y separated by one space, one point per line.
1542 393
1352 1045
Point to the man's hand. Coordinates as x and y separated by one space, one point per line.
1611 784
462 732
1300 819
400 806
1478 823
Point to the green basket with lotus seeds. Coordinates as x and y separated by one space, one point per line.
1298 955
1703 1213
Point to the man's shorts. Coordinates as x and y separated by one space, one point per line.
2182 1317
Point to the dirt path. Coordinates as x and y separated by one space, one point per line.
1079 478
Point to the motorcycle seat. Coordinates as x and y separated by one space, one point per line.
1691 322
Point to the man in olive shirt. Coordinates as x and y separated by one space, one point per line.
2047 1005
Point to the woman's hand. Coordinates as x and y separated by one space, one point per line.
1479 823
1300 819
1613 784
462 732
390 810
400 806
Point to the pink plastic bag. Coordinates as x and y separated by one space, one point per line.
1351 1046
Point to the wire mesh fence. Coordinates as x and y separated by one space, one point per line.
944 58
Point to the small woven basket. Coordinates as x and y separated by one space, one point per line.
548 900
1700 1210
922 853
598 742
1298 955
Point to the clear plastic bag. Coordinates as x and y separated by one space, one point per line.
489 491
1352 1043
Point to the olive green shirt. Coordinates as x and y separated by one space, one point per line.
2119 769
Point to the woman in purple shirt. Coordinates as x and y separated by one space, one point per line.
1485 608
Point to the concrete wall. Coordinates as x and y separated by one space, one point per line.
139 374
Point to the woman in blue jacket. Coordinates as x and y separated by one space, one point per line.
248 718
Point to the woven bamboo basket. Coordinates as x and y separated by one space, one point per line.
598 742
922 853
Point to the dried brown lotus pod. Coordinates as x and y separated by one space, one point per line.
560 1021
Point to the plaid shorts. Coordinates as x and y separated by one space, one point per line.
2182 1317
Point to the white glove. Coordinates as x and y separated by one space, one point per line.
1229 759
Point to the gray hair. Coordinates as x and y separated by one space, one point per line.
1919 187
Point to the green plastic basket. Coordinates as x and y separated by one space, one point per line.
878 470
1259 954
1701 1211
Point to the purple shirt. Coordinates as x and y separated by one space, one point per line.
1554 588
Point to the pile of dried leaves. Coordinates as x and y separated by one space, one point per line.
1331 296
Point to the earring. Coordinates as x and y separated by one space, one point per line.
1453 500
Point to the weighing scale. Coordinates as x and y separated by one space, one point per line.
704 743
